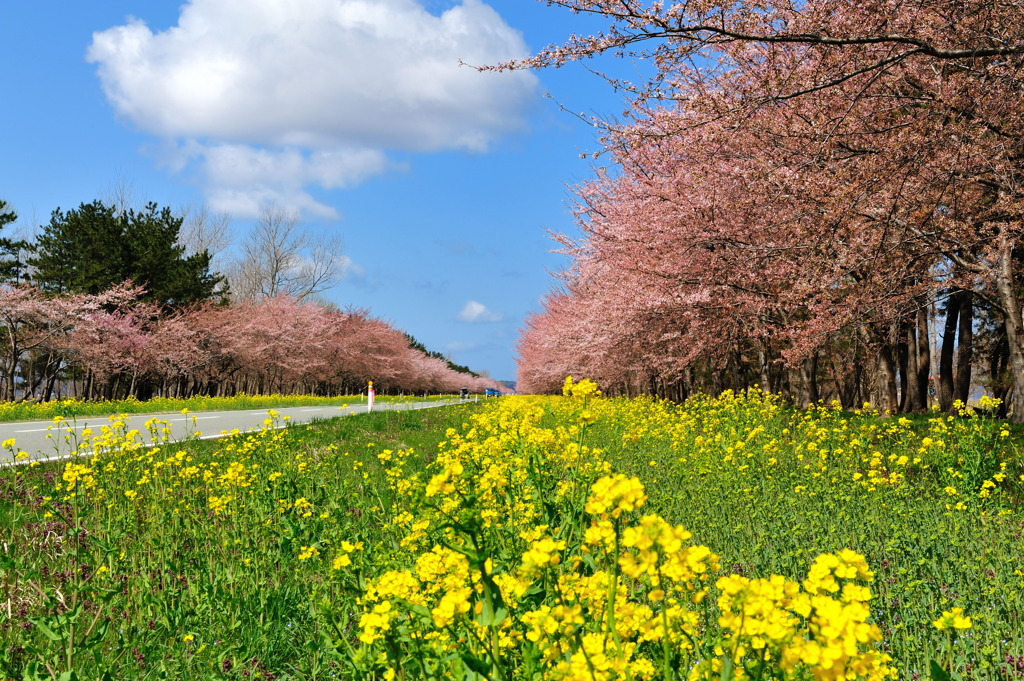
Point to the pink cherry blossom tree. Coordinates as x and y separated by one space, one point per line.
797 174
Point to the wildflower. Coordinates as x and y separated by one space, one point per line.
953 619
584 389
375 622
601 532
986 402
302 506
542 553
615 494
345 559
443 483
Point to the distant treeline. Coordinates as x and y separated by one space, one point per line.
108 303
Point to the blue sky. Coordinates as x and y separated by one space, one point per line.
442 182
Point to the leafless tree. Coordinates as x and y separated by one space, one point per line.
279 257
121 194
202 230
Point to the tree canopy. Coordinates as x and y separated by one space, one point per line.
95 247
798 181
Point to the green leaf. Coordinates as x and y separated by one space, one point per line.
491 617
479 666
97 636
31 672
938 673
727 668
47 631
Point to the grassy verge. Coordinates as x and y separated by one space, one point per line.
194 560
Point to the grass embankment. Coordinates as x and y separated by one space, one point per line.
183 561
72 408
358 548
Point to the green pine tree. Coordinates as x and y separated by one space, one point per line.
10 266
95 247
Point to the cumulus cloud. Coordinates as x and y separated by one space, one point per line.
478 312
270 96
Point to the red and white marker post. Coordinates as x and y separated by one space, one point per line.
370 395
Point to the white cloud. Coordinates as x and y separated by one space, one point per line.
274 96
242 179
478 312
352 269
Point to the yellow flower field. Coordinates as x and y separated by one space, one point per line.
571 537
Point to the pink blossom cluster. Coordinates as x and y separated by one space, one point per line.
114 345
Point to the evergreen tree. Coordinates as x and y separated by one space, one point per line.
94 247
10 266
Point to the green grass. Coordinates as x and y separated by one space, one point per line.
108 585
202 573
773 518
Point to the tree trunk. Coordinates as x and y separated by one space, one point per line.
887 379
924 357
998 360
764 360
31 380
913 396
12 368
1014 327
840 388
809 374
946 384
51 381
734 364
903 357
965 347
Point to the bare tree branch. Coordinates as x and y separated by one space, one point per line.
279 257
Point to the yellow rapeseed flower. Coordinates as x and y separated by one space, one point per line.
953 619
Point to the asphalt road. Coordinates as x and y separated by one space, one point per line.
31 436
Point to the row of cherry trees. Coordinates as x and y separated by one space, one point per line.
113 345
799 197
